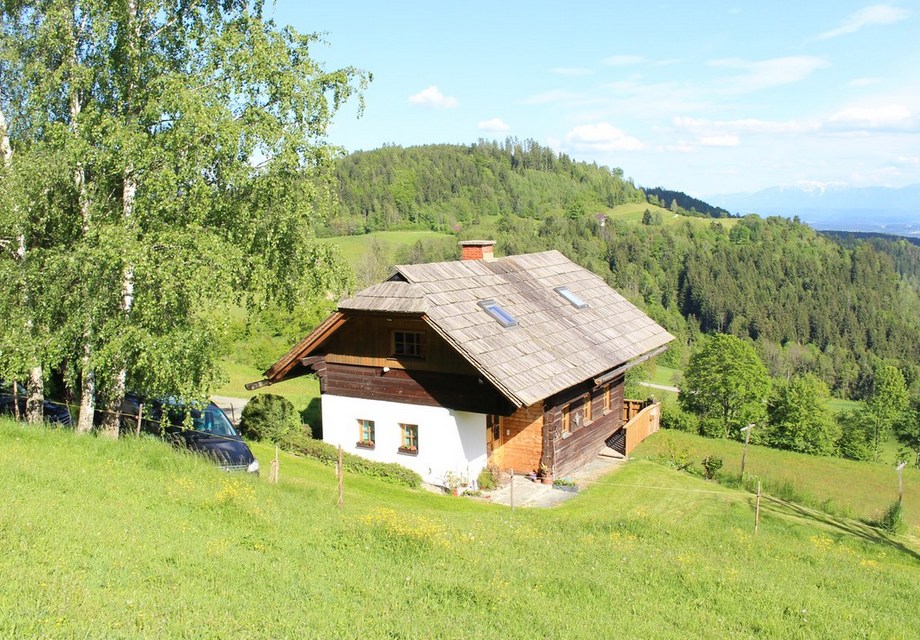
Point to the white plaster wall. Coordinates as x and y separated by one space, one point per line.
447 440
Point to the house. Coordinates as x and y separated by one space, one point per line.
515 363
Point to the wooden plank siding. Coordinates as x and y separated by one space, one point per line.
642 425
565 453
521 441
429 388
367 339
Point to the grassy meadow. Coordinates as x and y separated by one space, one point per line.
847 487
131 539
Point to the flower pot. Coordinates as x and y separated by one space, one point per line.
547 478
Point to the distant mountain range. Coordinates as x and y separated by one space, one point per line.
872 209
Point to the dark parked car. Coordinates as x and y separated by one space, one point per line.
202 430
55 412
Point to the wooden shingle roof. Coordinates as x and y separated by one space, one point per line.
553 346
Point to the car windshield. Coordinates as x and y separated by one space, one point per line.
212 420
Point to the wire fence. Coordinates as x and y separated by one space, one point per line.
151 417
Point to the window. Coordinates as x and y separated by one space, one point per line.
574 300
495 310
409 438
587 408
607 398
409 344
566 421
366 434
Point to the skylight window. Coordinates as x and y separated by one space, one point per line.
495 310
574 300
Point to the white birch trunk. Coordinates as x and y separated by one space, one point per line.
35 410
88 375
87 393
110 422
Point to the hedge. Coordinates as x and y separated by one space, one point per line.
389 471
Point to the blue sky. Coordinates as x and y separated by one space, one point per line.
705 97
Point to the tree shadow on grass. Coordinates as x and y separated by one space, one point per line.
846 526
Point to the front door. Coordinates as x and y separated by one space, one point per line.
493 440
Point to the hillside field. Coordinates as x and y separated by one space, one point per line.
131 539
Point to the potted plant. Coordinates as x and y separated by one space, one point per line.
454 482
546 475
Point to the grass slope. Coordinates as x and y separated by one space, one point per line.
354 248
130 539
857 489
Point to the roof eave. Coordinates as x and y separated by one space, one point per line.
288 361
513 398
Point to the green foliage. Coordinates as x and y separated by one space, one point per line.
885 405
486 480
711 466
855 435
389 471
907 431
441 187
272 418
148 219
799 417
727 382
673 417
892 520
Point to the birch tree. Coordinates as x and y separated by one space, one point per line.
197 167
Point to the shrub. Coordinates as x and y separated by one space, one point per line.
390 471
273 418
892 520
711 466
676 456
673 417
486 480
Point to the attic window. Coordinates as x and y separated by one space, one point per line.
495 310
574 300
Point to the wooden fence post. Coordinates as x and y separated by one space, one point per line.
273 474
140 416
757 510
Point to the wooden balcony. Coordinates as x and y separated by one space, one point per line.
640 420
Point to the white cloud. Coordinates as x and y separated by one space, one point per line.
888 116
720 141
762 74
601 136
571 71
494 125
623 61
744 125
432 97
878 14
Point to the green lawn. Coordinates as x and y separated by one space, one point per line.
858 489
131 539
354 248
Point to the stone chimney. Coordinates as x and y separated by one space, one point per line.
476 249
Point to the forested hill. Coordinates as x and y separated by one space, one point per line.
443 186
905 252
675 200
810 304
